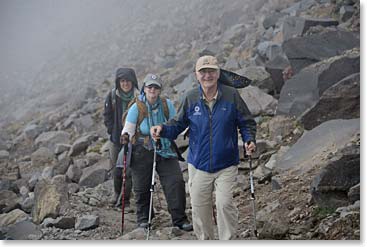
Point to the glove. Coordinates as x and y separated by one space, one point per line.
124 138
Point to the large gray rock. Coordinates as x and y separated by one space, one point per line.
258 102
42 157
74 173
51 199
272 19
95 175
259 77
4 155
12 217
87 222
81 144
8 201
304 89
346 12
188 83
62 166
331 186
341 101
84 124
303 51
296 26
31 131
316 142
295 9
51 138
66 222
24 230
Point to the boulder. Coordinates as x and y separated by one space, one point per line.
31 131
331 186
81 144
83 124
95 175
341 101
60 222
87 222
259 77
272 19
51 199
51 138
60 148
316 142
294 26
42 157
304 89
62 166
4 155
258 102
346 12
74 173
24 230
303 51
280 127
8 201
12 217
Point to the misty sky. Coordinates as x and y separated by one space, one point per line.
32 31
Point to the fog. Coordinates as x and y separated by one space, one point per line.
51 49
34 31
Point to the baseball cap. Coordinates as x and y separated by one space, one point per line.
152 79
204 62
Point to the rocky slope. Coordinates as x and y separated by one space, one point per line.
303 58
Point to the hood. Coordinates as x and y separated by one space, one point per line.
127 74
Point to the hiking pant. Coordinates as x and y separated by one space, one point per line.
170 176
201 187
117 173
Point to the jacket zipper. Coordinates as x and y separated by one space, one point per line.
210 139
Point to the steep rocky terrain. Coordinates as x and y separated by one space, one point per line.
304 60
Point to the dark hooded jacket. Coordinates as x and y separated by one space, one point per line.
113 112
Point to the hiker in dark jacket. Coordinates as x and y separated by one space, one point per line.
214 113
115 105
167 167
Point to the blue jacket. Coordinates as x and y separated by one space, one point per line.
213 142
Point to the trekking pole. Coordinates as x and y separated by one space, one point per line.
126 149
214 217
156 146
252 191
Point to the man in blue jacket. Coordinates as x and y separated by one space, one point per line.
214 113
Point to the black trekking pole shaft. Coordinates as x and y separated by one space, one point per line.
126 147
252 189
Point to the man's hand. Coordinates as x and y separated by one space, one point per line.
250 147
124 138
155 132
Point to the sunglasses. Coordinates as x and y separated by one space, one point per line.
153 86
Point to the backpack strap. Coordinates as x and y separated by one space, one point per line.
143 113
165 107
113 98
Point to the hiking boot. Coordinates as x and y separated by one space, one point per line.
129 208
143 225
113 200
187 226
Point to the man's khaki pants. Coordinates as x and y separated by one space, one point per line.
201 187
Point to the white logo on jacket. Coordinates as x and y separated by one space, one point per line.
197 111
